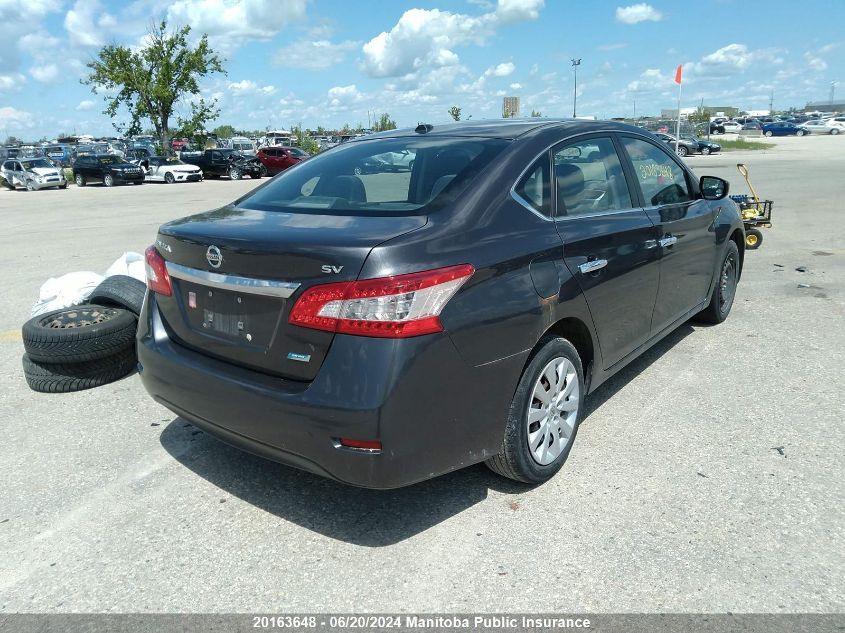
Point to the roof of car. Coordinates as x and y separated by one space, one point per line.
500 128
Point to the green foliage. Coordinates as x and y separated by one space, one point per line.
699 117
305 141
383 123
536 113
225 131
455 113
740 144
12 140
150 82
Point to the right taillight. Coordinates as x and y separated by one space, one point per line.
158 279
388 307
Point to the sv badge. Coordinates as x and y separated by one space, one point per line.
331 269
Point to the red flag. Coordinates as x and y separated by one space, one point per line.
678 74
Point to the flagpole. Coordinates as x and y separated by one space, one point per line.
678 126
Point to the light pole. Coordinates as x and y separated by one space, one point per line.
832 91
575 64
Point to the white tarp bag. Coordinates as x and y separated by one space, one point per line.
129 263
63 292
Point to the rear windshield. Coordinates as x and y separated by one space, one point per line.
380 176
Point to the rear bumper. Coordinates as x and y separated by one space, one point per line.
432 412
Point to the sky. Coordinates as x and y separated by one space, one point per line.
331 62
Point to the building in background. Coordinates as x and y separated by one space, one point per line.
510 107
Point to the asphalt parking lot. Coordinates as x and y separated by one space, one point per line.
707 476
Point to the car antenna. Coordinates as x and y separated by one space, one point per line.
424 128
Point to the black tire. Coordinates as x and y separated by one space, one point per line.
723 295
515 461
79 334
753 239
834 132
121 291
64 186
30 186
68 377
169 178
80 180
705 151
108 180
234 174
767 133
682 151
799 133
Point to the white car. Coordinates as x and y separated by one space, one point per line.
836 121
32 173
731 126
169 170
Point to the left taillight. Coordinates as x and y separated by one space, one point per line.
158 279
387 307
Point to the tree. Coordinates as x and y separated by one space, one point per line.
536 113
699 118
152 81
305 141
224 131
384 123
455 113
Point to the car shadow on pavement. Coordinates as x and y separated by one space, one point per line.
370 518
615 384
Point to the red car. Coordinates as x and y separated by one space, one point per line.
278 159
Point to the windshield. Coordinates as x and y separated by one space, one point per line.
38 162
369 178
173 161
109 160
242 145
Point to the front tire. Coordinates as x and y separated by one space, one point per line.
834 132
234 174
169 178
108 180
724 289
767 133
705 151
30 186
544 414
799 133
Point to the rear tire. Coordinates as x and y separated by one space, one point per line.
69 377
121 291
724 290
79 334
539 433
682 151
767 133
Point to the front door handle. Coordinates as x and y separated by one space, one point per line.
669 240
592 266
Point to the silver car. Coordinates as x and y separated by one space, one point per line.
33 173
817 126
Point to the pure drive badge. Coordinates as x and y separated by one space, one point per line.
302 358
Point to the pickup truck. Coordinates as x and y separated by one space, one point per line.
225 162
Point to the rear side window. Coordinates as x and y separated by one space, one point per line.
380 176
534 187
589 178
661 179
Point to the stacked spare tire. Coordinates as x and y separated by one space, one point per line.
86 345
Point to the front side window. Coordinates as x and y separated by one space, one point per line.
588 178
356 178
661 179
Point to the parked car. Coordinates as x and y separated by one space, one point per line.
105 168
385 335
179 144
685 146
242 145
816 126
277 159
705 147
33 173
731 126
782 129
138 154
169 169
225 162
399 161
752 125
836 121
60 154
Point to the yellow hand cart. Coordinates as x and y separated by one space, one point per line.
756 213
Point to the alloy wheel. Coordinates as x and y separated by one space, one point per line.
553 410
727 283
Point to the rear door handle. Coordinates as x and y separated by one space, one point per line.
592 266
669 240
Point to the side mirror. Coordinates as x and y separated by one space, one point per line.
713 188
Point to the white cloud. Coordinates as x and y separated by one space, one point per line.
518 10
344 95
44 74
86 23
638 13
814 62
248 86
233 22
313 54
426 38
87 104
501 70
651 79
611 47
11 82
10 117
17 21
732 59
515 86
